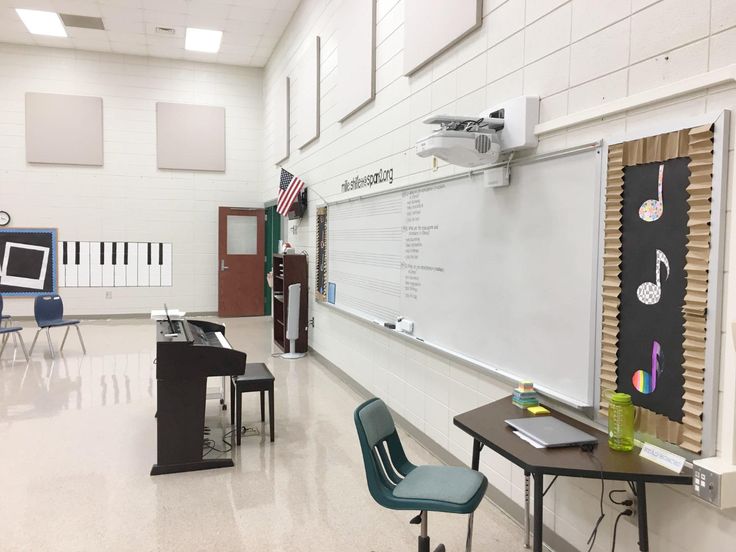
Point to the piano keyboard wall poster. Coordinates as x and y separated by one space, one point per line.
27 261
115 264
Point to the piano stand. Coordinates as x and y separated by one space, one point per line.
160 469
184 362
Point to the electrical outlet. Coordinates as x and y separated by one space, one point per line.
634 507
108 295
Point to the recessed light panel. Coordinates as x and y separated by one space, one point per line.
42 22
202 40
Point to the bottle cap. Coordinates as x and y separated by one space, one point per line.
622 399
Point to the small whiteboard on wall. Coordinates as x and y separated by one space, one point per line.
63 129
190 137
433 26
306 96
281 120
356 56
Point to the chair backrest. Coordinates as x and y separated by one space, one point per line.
383 456
48 308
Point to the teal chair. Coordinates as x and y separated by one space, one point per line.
397 484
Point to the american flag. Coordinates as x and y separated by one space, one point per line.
289 188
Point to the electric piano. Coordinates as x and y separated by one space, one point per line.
185 357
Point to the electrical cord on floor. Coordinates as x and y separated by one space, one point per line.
626 512
594 533
626 502
210 444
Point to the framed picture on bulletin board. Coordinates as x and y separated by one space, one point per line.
663 249
27 261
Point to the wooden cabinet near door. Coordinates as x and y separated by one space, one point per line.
288 270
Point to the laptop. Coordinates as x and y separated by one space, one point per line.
552 432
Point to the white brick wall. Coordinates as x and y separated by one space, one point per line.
575 55
129 199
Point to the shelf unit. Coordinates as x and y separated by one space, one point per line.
288 270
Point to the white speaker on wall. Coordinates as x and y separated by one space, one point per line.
292 321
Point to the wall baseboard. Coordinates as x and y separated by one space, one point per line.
146 315
504 503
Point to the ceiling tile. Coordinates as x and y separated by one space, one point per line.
251 28
77 7
165 19
255 15
94 45
128 48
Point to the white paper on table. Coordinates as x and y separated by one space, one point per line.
532 442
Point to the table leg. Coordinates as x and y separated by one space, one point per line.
527 527
477 445
538 509
641 499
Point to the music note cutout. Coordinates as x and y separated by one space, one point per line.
650 293
646 382
652 209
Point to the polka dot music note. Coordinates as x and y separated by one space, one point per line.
650 293
646 382
651 210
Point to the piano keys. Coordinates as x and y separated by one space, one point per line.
115 264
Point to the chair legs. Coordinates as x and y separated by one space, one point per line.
81 341
66 333
51 344
469 539
5 339
423 539
33 343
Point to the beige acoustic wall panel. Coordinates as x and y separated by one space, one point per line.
433 26
63 129
356 55
306 95
280 128
190 137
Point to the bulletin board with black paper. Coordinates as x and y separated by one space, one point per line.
661 280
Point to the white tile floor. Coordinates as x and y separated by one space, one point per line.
78 441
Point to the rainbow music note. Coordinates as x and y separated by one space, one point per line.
650 293
652 209
646 382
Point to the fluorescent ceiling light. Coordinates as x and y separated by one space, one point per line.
202 40
42 22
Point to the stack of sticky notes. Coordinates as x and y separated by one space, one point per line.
525 395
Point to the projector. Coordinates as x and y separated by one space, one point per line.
468 142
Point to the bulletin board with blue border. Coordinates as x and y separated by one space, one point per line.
27 261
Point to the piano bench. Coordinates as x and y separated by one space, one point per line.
257 377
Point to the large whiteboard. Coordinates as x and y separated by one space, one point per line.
505 277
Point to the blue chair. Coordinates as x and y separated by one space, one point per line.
6 332
5 319
49 313
397 484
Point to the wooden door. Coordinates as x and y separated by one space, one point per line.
241 262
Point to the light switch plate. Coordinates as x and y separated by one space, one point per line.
707 485
714 481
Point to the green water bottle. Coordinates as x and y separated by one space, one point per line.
621 422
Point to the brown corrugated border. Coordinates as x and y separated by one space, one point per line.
321 245
697 144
